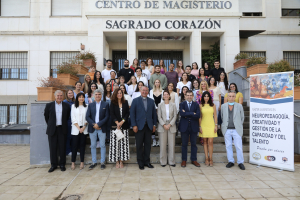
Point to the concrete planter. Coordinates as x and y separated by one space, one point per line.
257 69
89 63
68 79
297 93
46 93
81 69
240 63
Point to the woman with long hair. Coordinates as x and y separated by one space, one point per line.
239 96
89 96
202 76
184 82
126 96
137 92
182 94
150 65
195 87
163 68
179 69
77 90
122 82
223 85
107 93
208 126
69 100
99 81
135 64
212 84
85 85
207 70
173 95
79 129
119 112
195 69
132 86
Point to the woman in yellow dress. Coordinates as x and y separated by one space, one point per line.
208 126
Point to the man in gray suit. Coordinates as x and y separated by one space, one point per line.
232 114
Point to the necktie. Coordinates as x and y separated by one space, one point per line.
189 106
112 85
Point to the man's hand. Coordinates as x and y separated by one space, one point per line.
135 129
183 110
153 130
96 127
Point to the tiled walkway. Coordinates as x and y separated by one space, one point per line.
18 181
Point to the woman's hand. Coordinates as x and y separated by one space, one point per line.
216 128
219 108
200 130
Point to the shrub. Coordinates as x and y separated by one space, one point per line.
51 82
280 66
241 56
297 80
76 61
66 68
86 55
256 60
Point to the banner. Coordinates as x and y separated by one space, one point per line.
272 120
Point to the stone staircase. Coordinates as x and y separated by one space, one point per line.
218 156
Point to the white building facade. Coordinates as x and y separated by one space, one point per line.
37 35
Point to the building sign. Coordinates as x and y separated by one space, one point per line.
272 120
163 24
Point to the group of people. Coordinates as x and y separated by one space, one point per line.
186 101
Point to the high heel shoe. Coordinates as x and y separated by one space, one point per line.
81 166
73 166
211 163
207 162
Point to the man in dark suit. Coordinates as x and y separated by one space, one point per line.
189 127
143 120
56 115
97 116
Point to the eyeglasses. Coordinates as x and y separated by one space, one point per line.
93 86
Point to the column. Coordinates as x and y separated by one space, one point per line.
195 48
131 45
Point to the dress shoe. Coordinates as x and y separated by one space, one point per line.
141 167
62 168
196 163
52 169
92 166
163 165
173 165
102 166
183 164
149 166
229 165
241 166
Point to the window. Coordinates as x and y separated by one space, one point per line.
290 12
255 53
58 57
14 8
293 57
253 14
13 113
66 7
13 65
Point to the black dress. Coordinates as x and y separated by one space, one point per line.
157 99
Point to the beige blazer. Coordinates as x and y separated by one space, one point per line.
161 116
238 118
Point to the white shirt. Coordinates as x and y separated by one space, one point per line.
167 112
131 89
58 111
217 92
97 112
106 74
128 98
81 113
135 95
223 91
144 79
180 85
145 73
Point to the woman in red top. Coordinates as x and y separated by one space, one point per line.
135 64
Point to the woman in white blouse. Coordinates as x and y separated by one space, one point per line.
137 92
132 86
127 96
212 84
173 95
184 82
79 129
139 76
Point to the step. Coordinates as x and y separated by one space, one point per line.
218 148
246 108
154 158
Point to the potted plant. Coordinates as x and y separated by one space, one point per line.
47 88
67 73
256 65
297 87
78 65
241 60
89 58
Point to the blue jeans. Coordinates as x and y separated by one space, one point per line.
237 139
185 139
93 137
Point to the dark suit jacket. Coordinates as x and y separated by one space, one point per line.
189 115
115 114
139 116
103 116
191 77
50 117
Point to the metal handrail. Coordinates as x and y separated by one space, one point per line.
296 115
241 76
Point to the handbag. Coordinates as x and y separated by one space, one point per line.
118 134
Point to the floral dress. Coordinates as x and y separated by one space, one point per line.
198 96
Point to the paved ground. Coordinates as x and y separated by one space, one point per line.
19 181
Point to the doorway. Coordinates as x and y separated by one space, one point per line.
118 58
